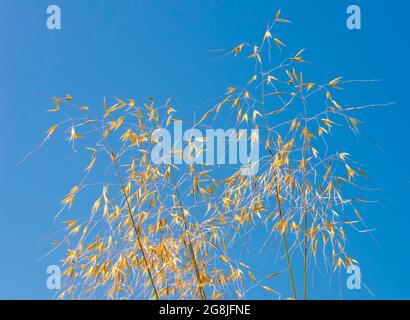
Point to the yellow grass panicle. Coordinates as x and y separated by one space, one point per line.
166 231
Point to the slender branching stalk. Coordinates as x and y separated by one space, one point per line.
285 242
136 230
187 239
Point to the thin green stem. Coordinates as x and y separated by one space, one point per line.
285 242
305 255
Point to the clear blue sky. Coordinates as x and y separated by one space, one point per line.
160 48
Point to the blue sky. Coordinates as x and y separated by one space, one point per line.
161 48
